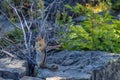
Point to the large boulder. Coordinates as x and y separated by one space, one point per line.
12 68
82 65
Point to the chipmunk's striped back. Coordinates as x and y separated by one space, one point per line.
40 44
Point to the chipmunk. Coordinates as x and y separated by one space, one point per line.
43 48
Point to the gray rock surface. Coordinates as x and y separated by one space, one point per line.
82 65
5 25
30 78
12 68
80 19
5 79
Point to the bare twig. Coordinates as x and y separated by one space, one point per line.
8 53
12 42
22 26
10 19
26 24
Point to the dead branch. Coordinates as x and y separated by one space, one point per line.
8 53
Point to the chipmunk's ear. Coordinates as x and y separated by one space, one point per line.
42 35
39 37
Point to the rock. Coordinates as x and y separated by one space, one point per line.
1 78
2 18
12 68
5 79
82 65
80 19
55 78
5 26
30 78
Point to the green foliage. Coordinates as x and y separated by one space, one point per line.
6 9
15 35
97 32
3 43
25 9
41 4
61 17
116 5
78 9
